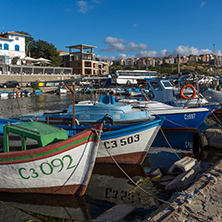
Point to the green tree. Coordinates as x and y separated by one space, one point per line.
46 50
43 49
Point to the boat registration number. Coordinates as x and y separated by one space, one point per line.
122 142
189 116
47 168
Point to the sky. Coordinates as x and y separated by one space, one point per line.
120 28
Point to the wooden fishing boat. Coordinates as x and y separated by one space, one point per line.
106 111
125 144
37 92
61 90
176 117
162 90
54 164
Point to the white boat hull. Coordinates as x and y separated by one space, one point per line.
127 146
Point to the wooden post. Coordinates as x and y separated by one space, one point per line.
23 140
73 106
72 90
5 140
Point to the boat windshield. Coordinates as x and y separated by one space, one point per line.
166 84
156 85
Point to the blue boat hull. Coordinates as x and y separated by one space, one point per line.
184 121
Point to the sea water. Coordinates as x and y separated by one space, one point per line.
108 185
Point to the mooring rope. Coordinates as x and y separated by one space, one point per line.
169 143
164 201
81 156
133 180
216 118
153 113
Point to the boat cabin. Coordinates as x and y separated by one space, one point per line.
42 134
161 90
106 104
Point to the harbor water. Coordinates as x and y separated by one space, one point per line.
108 185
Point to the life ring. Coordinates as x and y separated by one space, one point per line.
107 118
188 86
76 122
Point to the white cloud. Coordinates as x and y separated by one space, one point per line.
97 1
186 51
122 46
135 47
124 56
83 6
116 45
163 53
111 40
202 4
110 58
181 50
147 54
134 25
218 52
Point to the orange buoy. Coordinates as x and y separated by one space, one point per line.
188 97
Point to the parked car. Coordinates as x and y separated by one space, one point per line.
10 84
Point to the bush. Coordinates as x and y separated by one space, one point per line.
35 85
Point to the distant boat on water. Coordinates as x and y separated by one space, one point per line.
37 92
61 90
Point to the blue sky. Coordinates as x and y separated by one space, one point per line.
120 28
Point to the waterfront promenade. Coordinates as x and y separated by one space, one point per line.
24 79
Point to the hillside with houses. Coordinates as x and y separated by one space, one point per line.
202 64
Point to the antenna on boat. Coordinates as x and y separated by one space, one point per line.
214 62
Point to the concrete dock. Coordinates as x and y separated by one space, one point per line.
202 201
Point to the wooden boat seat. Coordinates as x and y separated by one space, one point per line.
59 121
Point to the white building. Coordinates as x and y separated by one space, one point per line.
12 47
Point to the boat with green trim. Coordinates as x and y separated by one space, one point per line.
52 163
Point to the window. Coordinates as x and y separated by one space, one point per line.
16 47
166 84
6 46
16 38
0 46
156 86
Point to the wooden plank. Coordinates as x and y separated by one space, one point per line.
116 213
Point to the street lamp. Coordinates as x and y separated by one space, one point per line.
214 61
26 51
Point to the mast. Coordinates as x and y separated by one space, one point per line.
214 62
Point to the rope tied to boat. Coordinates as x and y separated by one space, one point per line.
183 126
169 143
97 131
216 118
80 159
211 178
133 182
